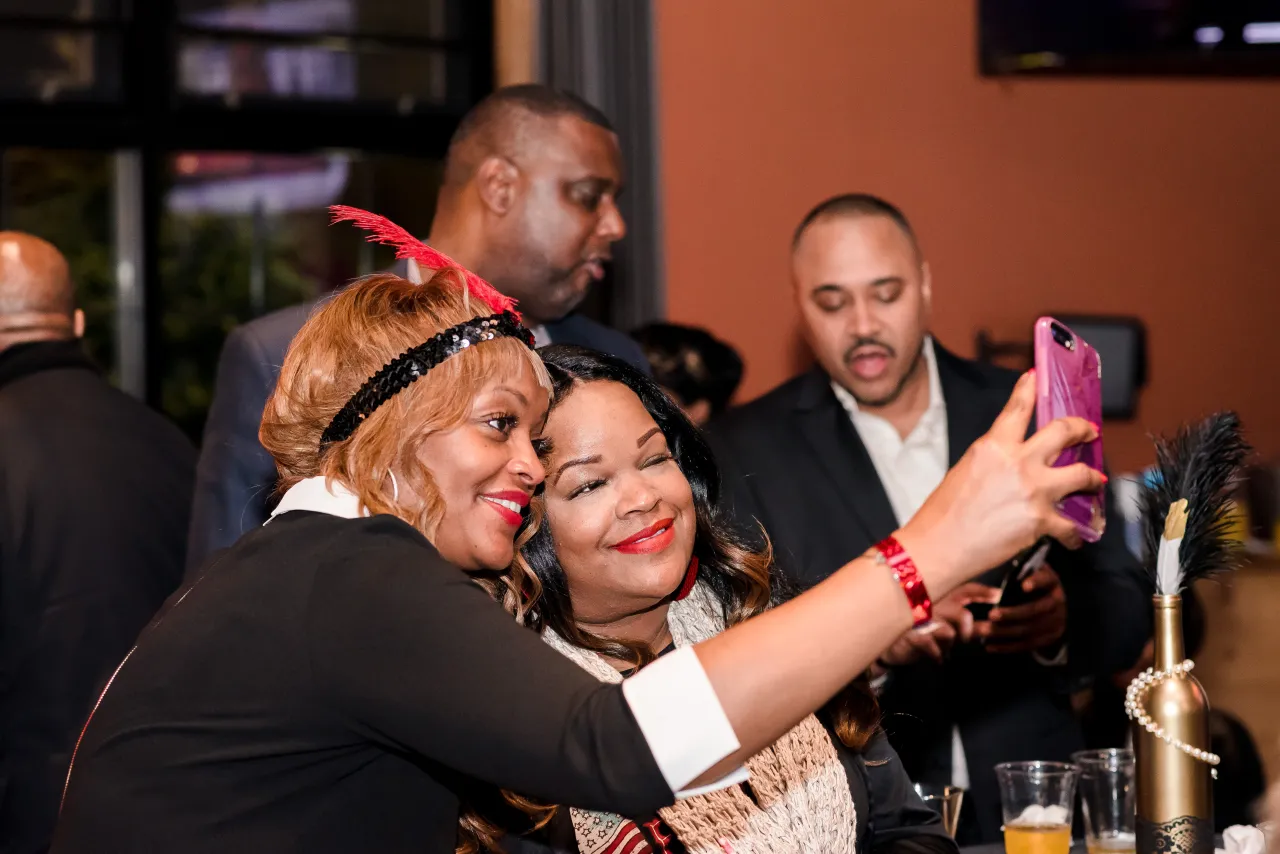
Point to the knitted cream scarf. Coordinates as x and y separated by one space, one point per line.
805 806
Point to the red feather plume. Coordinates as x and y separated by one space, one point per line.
383 230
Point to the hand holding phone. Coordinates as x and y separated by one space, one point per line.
1017 571
1012 593
1069 383
1038 624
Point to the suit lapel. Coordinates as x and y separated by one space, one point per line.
842 457
969 409
972 407
570 330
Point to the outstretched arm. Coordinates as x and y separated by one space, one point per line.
417 656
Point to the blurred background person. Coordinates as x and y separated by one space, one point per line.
698 370
880 420
95 492
528 202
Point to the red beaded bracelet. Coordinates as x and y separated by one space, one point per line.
891 553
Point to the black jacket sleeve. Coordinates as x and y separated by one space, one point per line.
743 511
416 657
235 474
1108 608
901 823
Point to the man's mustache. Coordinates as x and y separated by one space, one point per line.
859 343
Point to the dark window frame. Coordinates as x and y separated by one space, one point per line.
157 121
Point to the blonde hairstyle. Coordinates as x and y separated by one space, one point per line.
347 340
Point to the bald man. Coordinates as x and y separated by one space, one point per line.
833 461
528 201
95 494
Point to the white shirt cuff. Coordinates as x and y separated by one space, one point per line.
682 720
733 778
1058 660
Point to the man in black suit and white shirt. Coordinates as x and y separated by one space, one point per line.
528 202
834 460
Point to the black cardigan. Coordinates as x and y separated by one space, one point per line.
333 685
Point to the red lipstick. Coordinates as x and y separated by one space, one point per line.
507 504
521 498
649 540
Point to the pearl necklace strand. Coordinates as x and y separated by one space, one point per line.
1133 707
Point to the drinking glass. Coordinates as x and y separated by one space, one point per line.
1108 798
946 801
1037 799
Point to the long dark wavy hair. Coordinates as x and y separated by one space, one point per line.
738 575
536 590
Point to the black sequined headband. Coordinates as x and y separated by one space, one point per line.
396 375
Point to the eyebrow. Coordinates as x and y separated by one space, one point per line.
598 183
595 458
576 461
875 283
516 393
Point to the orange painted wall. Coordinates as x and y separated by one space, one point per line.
1159 198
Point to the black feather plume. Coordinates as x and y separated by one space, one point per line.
1201 463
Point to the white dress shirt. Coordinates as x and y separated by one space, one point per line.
541 337
910 470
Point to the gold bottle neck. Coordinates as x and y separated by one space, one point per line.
1169 648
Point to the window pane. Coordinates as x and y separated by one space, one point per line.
65 198
431 19
59 65
231 68
74 10
247 233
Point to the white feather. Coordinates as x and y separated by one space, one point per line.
1168 568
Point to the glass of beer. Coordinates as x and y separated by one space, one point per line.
946 801
1037 798
1108 798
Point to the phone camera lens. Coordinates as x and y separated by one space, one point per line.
1062 336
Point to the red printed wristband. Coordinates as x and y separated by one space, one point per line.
891 553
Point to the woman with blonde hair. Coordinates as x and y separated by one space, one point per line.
336 681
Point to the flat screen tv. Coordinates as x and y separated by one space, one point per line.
1137 37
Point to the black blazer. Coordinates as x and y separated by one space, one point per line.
95 491
334 685
793 461
236 476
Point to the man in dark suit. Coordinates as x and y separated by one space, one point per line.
836 459
95 491
528 202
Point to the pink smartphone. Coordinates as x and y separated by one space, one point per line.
1069 382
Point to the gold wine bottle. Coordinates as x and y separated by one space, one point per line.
1174 777
1186 502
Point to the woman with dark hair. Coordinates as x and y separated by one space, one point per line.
697 369
632 561
335 681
